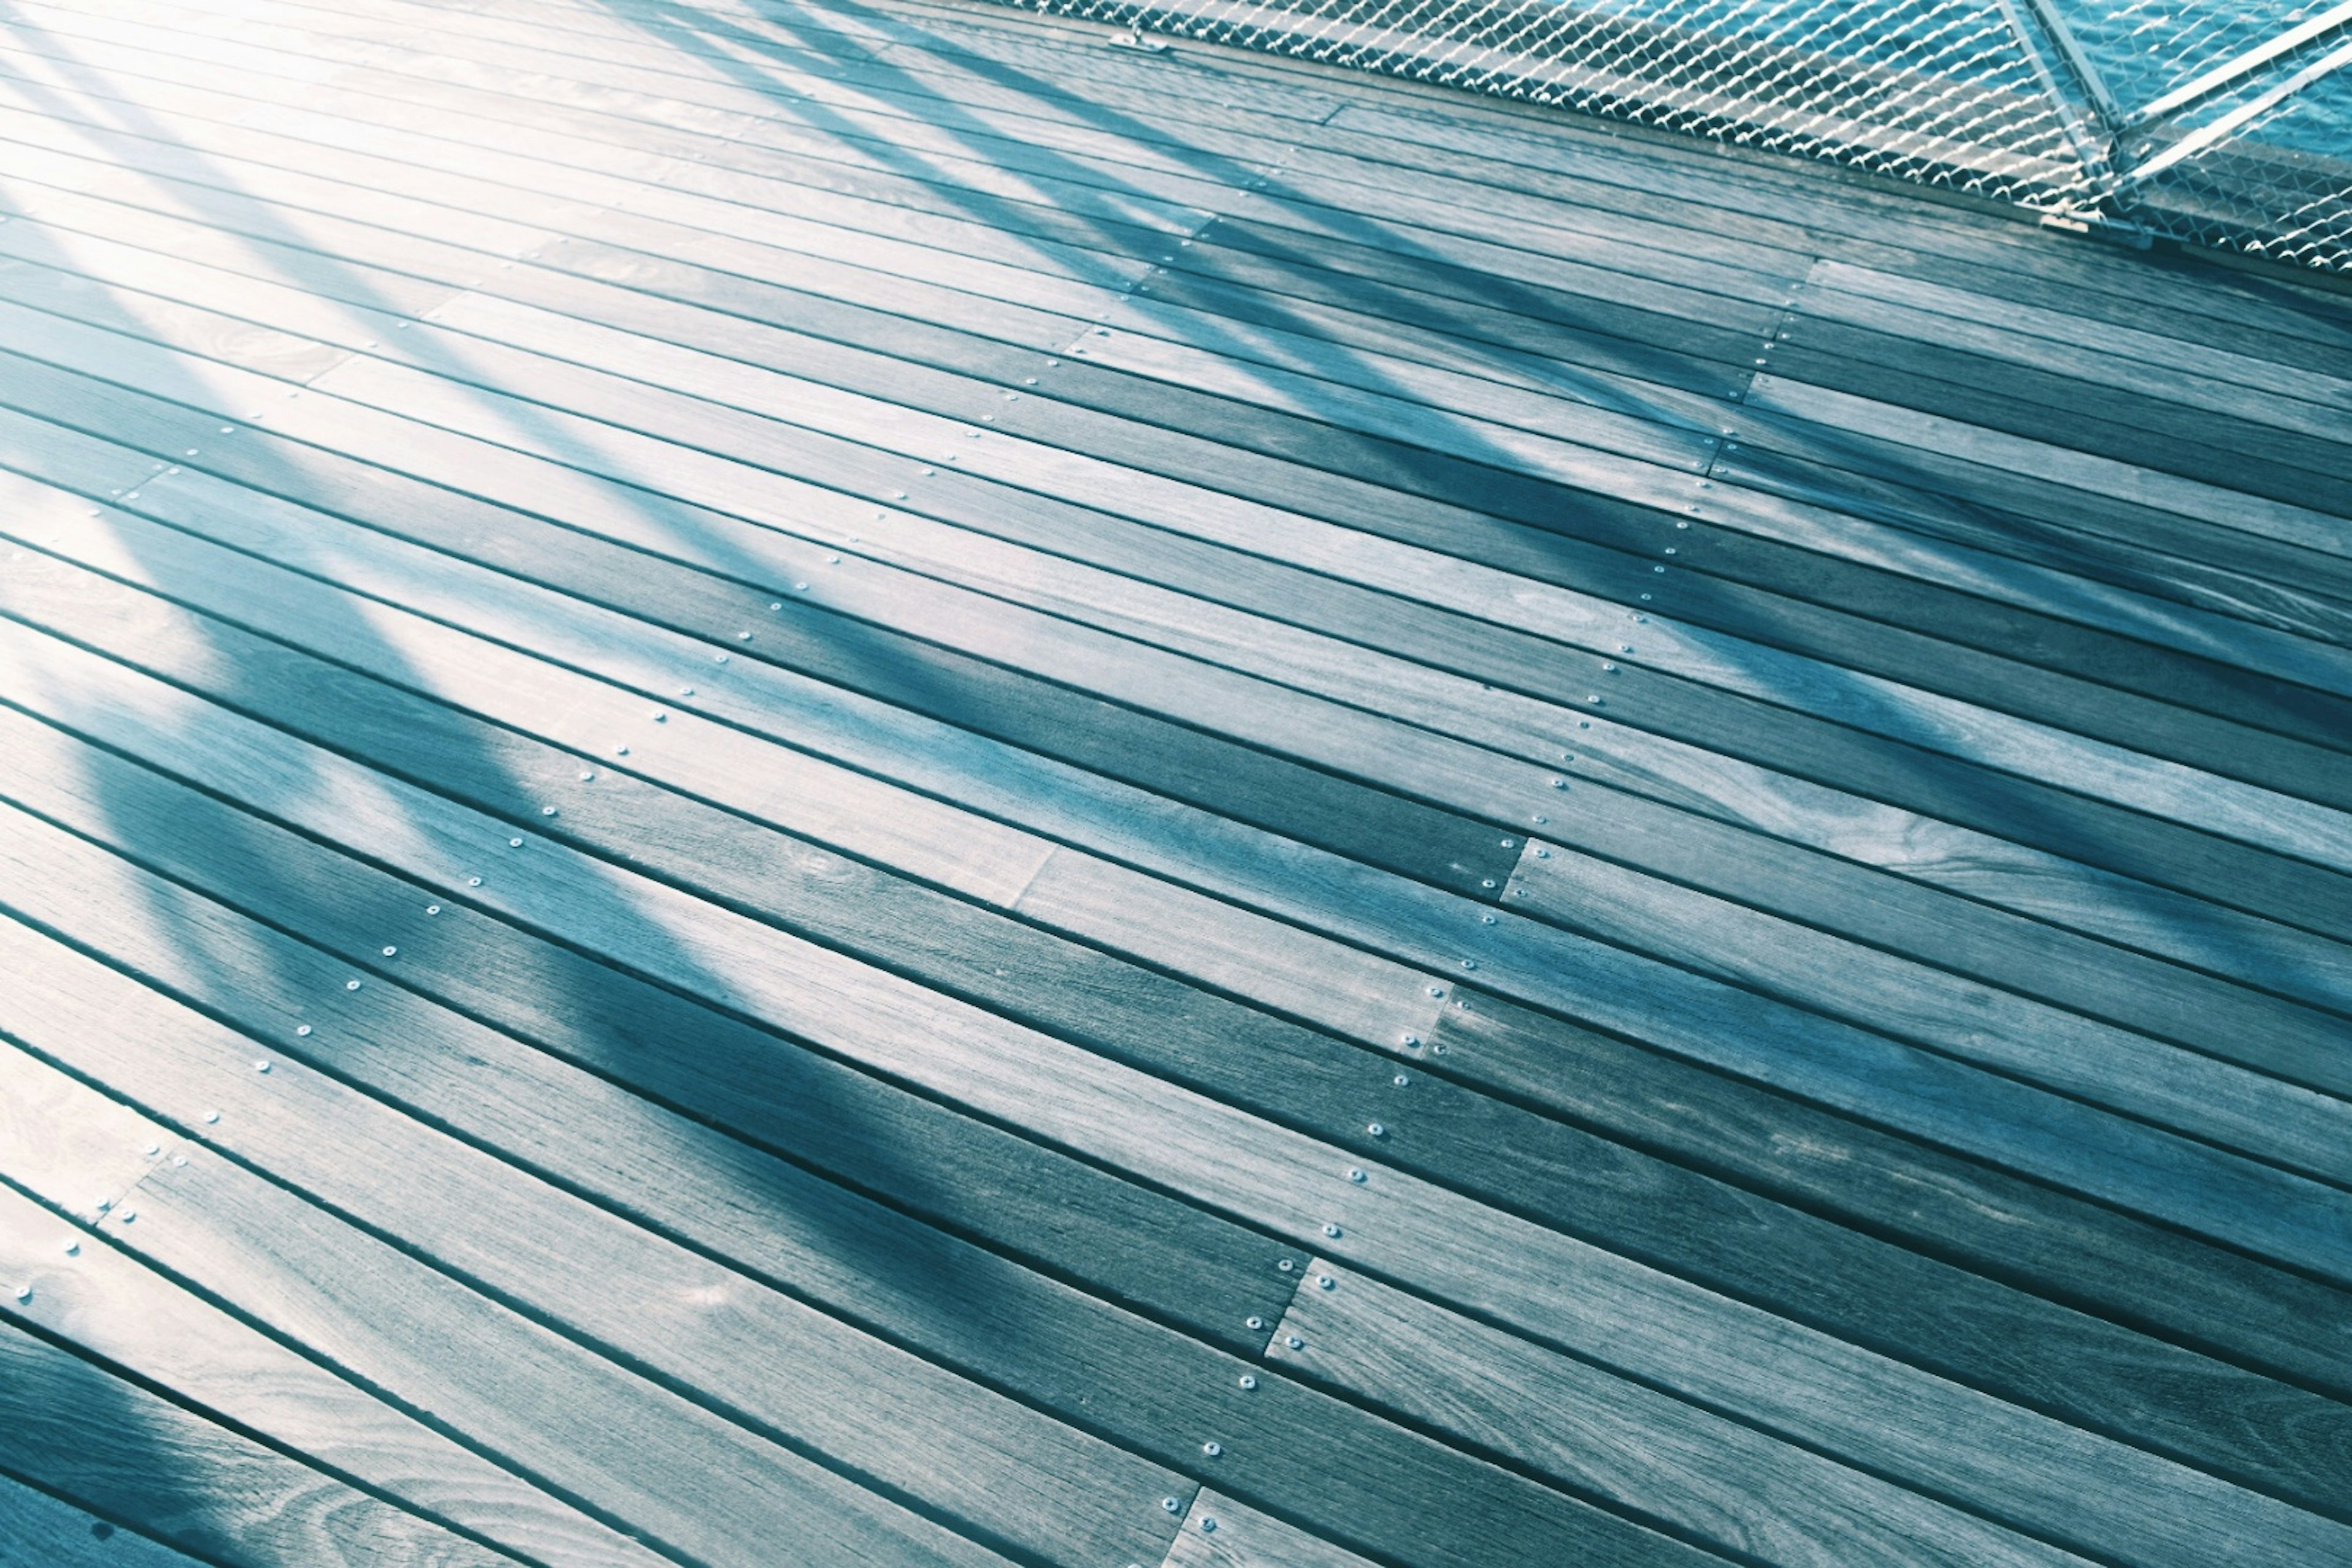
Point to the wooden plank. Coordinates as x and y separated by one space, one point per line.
1435 204
1605 744
2237 383
2286 587
87 1296
1752 1496
2111 695
1888 1185
340 372
1219 1532
1306 1454
2112 1069
661 1465
1072 1219
1590 981
715 1091
1306 197
1651 764
1979 391
2280 521
1800 1267
1407 1230
125 1454
2183 298
767 1363
38 1530
2104 1066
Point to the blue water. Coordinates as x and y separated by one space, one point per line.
2145 50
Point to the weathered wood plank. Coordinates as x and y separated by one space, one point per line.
2270 1119
2125 666
2288 587
1156 1389
767 1363
1407 1230
2175 800
1221 1533
1800 1267
88 1296
38 1530
648 1459
2091 1062
508 988
1735 1488
1862 1062
1983 393
2092 350
1643 764
126 1453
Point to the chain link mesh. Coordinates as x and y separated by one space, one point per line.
2044 103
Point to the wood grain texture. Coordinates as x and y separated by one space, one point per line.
1484 1259
852 697
768 1363
2049 1358
87 1296
125 1454
1869 1069
1155 1390
38 1530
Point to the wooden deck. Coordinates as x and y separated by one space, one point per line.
850 782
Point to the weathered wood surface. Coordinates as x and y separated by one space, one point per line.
880 714
38 1530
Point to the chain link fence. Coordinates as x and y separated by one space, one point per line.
2221 123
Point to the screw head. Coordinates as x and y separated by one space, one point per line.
73 1249
1325 1282
473 881
1401 1081
1207 1525
514 843
1170 1505
23 1292
1248 1381
1213 1449
432 909
1285 1265
1377 1130
261 1064
211 1116
1254 1322
1356 1175
350 984
389 952
1331 1230
303 1030
1295 1342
